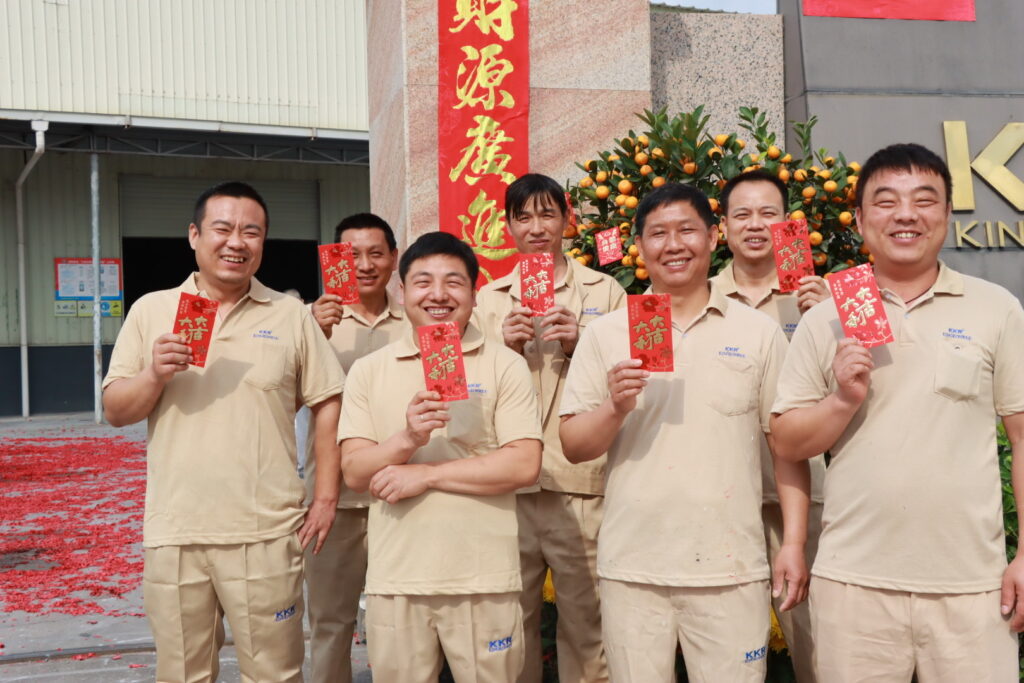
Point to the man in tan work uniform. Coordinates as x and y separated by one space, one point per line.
443 540
560 516
912 556
751 202
335 575
682 553
225 522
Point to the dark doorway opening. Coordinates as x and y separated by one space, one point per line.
152 263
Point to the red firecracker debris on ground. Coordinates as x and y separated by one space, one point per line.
71 526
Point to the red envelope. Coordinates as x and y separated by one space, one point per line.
609 246
860 305
650 331
793 258
338 268
194 322
441 352
537 282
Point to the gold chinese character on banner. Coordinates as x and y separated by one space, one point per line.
488 15
483 154
484 228
480 74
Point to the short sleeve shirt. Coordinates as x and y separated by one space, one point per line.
782 307
588 295
441 543
221 465
352 338
683 496
913 495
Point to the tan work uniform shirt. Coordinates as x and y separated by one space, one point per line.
912 495
587 294
441 543
351 339
683 497
782 307
221 455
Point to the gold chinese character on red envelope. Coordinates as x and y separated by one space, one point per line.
441 353
650 331
792 253
194 323
859 303
338 267
537 282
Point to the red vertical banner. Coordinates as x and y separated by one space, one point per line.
483 122
921 10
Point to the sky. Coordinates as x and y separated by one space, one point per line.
749 6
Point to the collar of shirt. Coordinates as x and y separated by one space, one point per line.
391 309
575 271
717 301
726 281
406 346
258 291
948 282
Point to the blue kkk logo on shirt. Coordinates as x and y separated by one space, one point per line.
500 644
755 655
732 352
286 613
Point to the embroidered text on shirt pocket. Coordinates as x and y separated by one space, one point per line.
270 362
733 387
957 372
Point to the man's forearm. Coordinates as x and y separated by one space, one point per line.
361 458
793 482
504 470
130 400
802 433
327 486
587 436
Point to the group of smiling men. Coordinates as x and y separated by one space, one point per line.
672 508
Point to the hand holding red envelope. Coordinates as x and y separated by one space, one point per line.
792 248
859 303
441 353
609 247
537 282
338 267
650 331
194 323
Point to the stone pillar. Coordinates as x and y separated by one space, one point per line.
590 72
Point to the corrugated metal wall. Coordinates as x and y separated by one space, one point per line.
270 62
57 212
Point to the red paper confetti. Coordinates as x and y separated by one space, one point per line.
72 523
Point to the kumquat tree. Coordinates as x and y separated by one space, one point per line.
821 186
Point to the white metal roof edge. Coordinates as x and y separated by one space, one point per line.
127 121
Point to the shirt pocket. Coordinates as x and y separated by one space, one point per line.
471 424
958 372
270 367
733 386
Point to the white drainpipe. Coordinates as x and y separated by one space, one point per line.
40 128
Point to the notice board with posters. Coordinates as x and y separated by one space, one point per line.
73 285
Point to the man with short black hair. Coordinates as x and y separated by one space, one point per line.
443 543
751 202
335 575
911 570
225 522
558 517
682 554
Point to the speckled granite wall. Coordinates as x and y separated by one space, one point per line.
721 60
588 76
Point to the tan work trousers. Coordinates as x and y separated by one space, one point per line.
188 590
480 635
796 623
723 631
872 635
559 530
334 580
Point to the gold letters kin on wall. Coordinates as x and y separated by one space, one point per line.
990 164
